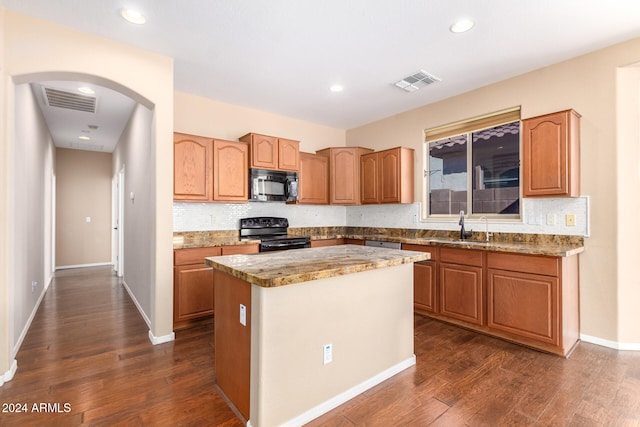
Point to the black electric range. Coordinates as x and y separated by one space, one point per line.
272 232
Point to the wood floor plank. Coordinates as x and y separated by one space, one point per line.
88 346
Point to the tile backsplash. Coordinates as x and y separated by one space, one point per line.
539 216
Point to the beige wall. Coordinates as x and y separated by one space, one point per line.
33 159
83 189
628 179
133 154
366 316
38 50
588 85
201 116
5 353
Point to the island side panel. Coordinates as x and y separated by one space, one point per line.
233 340
366 316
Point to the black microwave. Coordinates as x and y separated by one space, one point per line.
272 186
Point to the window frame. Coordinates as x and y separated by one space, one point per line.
467 127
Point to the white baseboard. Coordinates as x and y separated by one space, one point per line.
161 340
338 400
8 376
23 334
154 340
611 344
95 264
137 304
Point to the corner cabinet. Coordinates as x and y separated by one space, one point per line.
273 153
387 176
551 155
535 298
193 282
313 179
344 173
209 170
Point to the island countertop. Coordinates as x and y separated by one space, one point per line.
271 269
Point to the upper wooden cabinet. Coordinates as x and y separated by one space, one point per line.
230 174
387 176
551 155
344 173
192 157
209 170
270 152
313 179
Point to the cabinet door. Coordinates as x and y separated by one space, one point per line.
230 171
345 176
193 292
424 286
326 242
313 179
264 151
461 292
389 176
369 178
192 168
524 304
551 156
288 155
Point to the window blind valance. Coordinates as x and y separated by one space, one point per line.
473 124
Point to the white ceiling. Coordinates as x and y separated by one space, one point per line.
281 56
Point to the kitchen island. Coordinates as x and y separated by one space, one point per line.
298 333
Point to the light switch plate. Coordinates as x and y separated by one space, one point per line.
243 315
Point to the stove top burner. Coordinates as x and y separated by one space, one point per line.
272 232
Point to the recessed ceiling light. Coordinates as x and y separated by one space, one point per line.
86 90
133 16
336 88
462 25
84 138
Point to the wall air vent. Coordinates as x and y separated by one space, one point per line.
416 81
69 100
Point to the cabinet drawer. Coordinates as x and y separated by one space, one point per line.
240 249
354 242
548 266
194 255
431 250
461 256
326 242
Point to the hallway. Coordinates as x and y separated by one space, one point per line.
88 356
88 347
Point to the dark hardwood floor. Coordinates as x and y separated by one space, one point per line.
88 348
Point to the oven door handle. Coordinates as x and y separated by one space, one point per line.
277 245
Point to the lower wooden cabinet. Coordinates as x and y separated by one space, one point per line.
326 242
528 299
193 282
425 282
461 285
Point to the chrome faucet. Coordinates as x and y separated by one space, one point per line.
486 228
463 234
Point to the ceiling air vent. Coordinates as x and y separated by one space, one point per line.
416 81
70 100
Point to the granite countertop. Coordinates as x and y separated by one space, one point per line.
530 248
531 244
271 269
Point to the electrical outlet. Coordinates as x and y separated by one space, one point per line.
327 353
243 315
551 219
34 285
213 219
570 220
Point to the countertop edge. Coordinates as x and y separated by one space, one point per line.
307 276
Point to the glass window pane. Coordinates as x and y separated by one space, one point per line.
448 175
496 169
